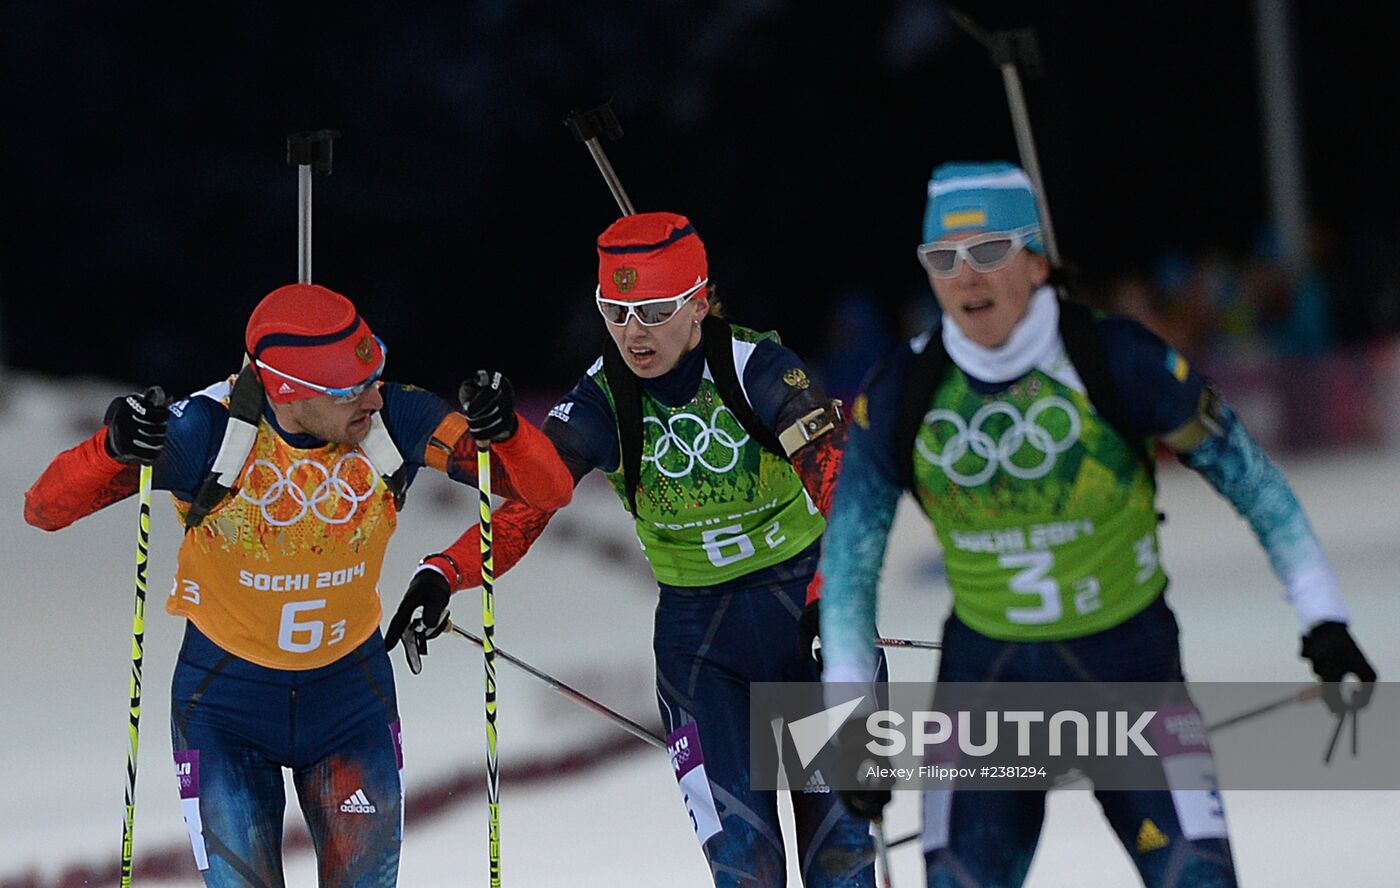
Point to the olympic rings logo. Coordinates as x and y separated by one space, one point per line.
332 487
1022 432
696 450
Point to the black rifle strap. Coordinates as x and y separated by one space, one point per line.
245 403
627 404
719 354
1080 334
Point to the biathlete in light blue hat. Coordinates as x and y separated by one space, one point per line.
1026 428
981 197
983 217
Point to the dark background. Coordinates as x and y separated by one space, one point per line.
147 206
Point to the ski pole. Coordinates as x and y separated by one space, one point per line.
882 852
579 697
1008 49
636 730
588 127
310 152
138 640
909 644
488 648
1300 696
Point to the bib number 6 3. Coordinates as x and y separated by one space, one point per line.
300 636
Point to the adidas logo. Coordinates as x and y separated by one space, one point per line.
561 411
358 804
285 389
816 783
1150 838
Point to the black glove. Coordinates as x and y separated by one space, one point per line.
490 404
429 590
863 766
136 426
1334 654
809 632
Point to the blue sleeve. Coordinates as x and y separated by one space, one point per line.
874 417
780 386
853 550
411 415
192 439
584 430
1237 467
1157 387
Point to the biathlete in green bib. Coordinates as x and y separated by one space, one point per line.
724 450
1025 428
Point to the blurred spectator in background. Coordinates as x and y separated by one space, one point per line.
857 335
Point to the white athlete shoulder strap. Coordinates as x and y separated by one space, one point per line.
244 415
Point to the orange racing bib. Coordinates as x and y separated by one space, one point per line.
284 573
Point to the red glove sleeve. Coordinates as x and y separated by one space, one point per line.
514 529
78 482
818 465
525 467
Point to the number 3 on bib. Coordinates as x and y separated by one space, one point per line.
1033 578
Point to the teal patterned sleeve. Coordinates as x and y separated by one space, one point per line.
1237 467
852 555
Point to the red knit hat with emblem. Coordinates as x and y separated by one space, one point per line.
650 256
305 332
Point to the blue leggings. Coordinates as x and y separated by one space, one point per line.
710 643
986 839
235 725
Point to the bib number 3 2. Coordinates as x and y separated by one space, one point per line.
1033 578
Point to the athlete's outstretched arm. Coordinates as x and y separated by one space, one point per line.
104 469
78 482
514 529
515 526
1216 444
853 552
524 467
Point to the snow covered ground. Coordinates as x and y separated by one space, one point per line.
581 803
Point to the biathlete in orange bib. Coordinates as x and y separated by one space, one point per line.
289 478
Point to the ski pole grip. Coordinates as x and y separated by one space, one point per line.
592 123
313 148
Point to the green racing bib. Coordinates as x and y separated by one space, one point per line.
712 503
1047 519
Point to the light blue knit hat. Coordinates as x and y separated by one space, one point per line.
995 196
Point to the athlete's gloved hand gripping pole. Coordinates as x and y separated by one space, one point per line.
489 402
136 433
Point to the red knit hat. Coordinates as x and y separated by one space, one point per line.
307 332
650 256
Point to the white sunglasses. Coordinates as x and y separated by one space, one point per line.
341 395
649 312
984 253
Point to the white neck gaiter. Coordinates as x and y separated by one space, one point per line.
1034 341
